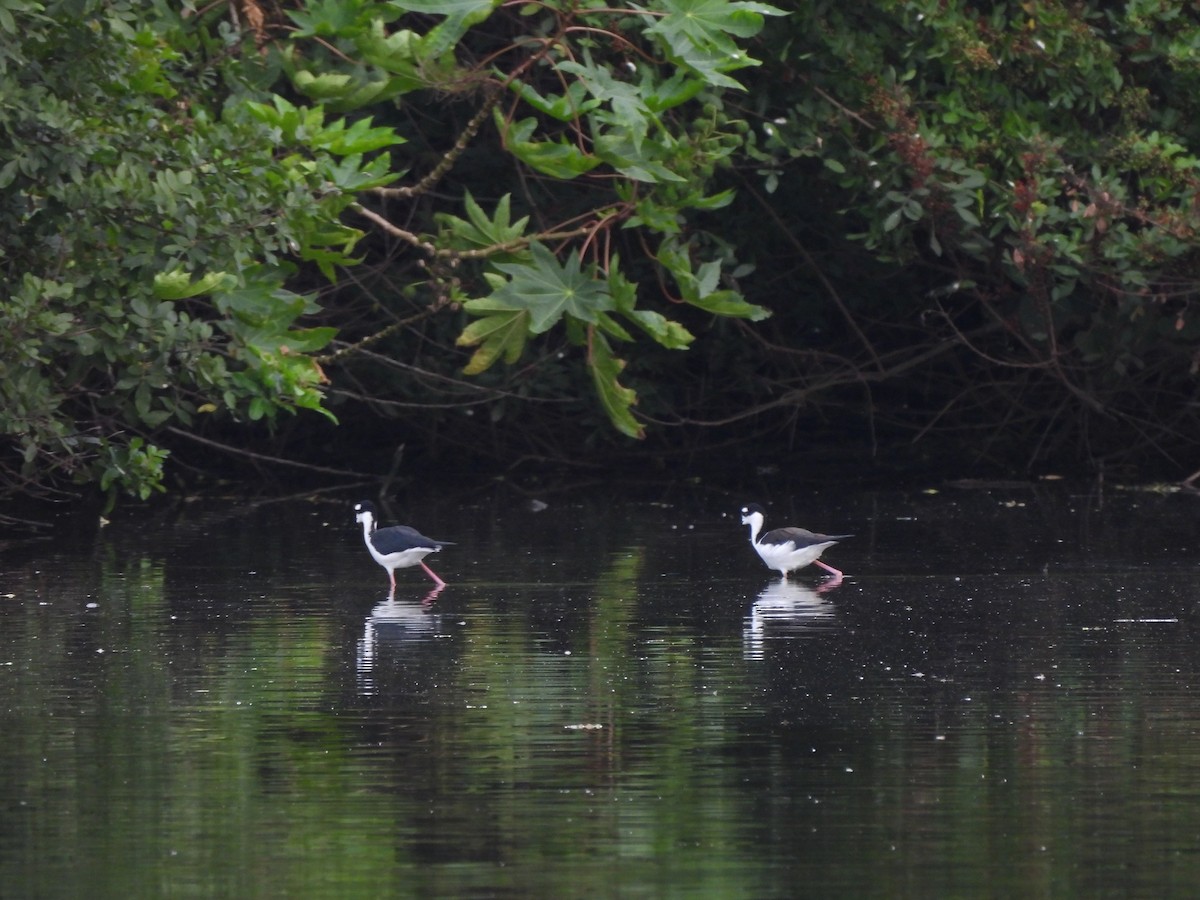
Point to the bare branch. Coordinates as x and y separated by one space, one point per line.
451 157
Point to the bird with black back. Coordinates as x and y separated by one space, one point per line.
396 546
787 549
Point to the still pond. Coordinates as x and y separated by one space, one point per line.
612 697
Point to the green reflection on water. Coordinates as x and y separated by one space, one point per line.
606 735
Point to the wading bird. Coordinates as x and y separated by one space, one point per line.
397 546
787 549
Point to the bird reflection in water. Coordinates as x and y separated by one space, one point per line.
394 622
790 608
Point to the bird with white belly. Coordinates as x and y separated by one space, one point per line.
788 549
396 546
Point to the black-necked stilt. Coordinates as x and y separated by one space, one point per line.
786 549
397 546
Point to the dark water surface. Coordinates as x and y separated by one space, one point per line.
611 698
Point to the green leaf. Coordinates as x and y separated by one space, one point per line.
549 290
307 340
564 107
361 137
558 159
619 151
402 55
675 91
616 399
714 201
669 334
450 8
625 101
612 327
296 125
141 400
326 86
700 288
500 333
655 216
177 284
324 17
699 33
729 303
459 16
371 90
478 230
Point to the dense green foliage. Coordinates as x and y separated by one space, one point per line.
161 194
145 242
608 120
499 224
970 222
1030 171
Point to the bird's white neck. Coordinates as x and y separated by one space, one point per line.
368 522
755 521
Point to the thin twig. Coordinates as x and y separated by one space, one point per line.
812 264
370 339
262 457
451 156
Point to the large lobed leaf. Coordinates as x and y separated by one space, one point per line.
549 290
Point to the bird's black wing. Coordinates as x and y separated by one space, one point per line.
801 537
398 538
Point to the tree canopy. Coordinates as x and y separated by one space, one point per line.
1029 170
548 228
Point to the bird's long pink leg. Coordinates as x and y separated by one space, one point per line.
433 575
829 569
